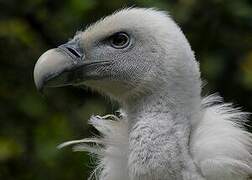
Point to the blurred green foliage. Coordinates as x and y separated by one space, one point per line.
220 32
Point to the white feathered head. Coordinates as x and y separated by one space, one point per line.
131 52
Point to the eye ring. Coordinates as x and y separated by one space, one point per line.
119 40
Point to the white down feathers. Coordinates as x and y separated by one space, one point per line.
219 144
111 148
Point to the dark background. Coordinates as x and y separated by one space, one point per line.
32 125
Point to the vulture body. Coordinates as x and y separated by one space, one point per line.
166 130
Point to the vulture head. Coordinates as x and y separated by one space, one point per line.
126 55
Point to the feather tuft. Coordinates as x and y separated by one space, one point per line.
111 148
220 145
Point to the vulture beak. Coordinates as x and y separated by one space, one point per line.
61 66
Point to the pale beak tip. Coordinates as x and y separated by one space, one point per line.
43 68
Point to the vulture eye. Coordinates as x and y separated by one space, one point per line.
119 40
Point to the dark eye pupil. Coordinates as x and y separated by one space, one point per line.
119 40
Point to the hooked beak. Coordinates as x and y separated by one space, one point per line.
64 65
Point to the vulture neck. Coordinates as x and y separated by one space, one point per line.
163 121
181 105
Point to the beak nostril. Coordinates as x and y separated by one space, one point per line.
74 52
